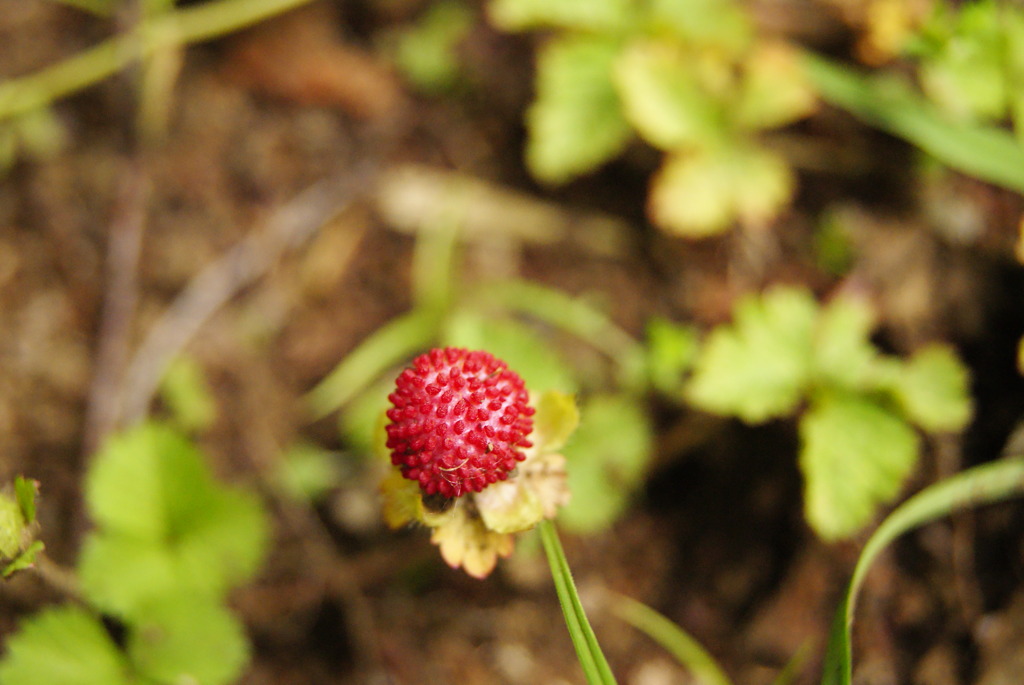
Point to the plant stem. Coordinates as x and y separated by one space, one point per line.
195 24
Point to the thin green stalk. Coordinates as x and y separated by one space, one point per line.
191 25
588 651
388 345
976 486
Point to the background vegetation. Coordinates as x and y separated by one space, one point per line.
774 249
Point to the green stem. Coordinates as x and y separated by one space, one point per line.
588 651
195 24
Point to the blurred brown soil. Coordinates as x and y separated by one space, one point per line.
715 539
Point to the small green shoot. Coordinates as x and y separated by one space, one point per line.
18 548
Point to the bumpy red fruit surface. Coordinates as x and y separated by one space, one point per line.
459 422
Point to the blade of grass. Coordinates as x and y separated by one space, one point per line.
974 487
388 345
575 316
986 152
588 651
673 638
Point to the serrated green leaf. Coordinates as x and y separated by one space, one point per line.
164 523
526 351
575 124
758 368
185 639
843 353
25 491
932 389
701 193
593 15
774 90
144 481
607 456
187 395
65 645
664 99
124 576
855 456
555 420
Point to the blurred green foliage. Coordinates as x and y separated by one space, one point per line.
689 77
785 355
169 544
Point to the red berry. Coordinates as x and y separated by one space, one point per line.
459 421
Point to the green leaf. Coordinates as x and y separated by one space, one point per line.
966 73
932 389
187 395
701 193
664 99
555 420
588 651
843 353
855 456
522 347
974 487
575 124
164 523
125 576
719 24
775 90
65 645
758 368
185 639
988 153
360 420
593 15
607 457
144 481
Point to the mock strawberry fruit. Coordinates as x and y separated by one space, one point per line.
459 423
